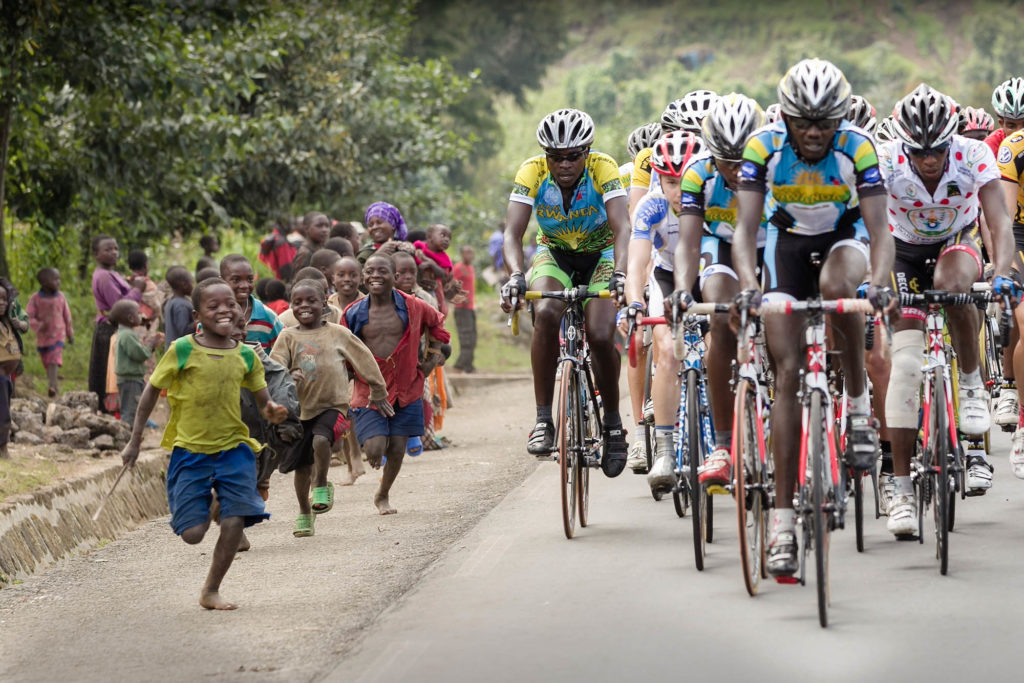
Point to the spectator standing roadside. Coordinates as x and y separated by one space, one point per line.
465 311
50 318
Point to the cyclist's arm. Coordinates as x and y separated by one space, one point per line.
618 219
883 249
517 218
687 256
636 268
744 239
1010 191
999 225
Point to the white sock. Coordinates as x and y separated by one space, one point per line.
903 486
971 379
859 405
783 519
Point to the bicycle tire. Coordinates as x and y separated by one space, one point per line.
680 499
940 470
858 509
747 471
817 454
648 426
698 511
568 441
592 435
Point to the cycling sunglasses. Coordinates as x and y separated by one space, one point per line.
571 156
824 125
936 151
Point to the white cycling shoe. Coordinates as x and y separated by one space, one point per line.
637 459
974 416
902 511
1006 409
1017 453
979 476
663 474
886 491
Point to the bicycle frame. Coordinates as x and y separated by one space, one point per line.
935 361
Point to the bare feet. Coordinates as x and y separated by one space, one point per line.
212 600
349 478
243 543
383 506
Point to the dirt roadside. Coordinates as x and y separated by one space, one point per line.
128 610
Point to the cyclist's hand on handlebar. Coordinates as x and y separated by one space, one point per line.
1004 287
514 288
883 300
626 317
748 301
678 303
617 286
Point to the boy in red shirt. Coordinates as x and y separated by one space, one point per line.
465 312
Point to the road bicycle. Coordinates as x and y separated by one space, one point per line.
579 421
820 501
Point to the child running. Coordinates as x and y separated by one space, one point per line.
50 318
261 323
390 323
316 353
203 375
346 277
178 312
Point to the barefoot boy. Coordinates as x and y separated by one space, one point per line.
204 374
318 353
391 323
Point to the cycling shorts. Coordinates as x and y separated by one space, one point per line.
788 270
913 267
716 258
573 269
1018 249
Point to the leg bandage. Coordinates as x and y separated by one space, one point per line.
903 400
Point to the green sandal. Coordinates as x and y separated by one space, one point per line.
323 497
303 526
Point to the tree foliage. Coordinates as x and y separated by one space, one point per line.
142 119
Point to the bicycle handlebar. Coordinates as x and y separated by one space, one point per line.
938 297
823 305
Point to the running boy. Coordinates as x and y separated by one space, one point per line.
316 353
178 311
261 324
50 318
391 323
204 374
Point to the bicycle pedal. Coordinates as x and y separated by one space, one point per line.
1008 428
908 537
788 580
641 470
717 490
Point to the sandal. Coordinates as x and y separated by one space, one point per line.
414 447
303 526
323 496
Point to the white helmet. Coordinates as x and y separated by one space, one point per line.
688 111
925 118
642 138
862 114
814 89
729 123
1008 99
773 112
884 131
672 153
566 129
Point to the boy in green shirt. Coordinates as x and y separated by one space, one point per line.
203 374
130 356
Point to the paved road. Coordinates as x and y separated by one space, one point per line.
516 601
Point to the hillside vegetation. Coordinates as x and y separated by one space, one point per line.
629 59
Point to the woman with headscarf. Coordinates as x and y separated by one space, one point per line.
387 231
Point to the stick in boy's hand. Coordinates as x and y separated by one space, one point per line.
129 455
275 412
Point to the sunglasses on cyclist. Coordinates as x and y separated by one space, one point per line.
571 156
936 151
824 125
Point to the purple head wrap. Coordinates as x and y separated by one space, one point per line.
389 213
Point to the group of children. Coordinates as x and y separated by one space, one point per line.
257 386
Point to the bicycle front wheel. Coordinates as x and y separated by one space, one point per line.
593 440
748 483
820 474
941 454
693 457
569 437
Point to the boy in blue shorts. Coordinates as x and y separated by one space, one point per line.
391 323
204 374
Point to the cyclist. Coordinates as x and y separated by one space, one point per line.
976 124
583 234
640 139
828 198
684 114
1011 166
656 227
937 183
773 113
706 223
862 114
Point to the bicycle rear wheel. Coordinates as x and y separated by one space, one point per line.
568 444
858 509
748 482
940 456
820 474
648 425
698 513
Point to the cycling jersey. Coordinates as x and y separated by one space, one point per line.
626 174
994 139
705 194
915 216
655 221
642 169
812 198
584 228
1011 166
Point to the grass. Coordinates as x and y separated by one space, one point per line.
497 351
21 475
